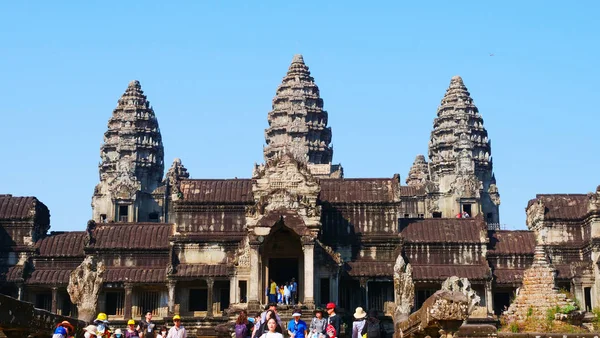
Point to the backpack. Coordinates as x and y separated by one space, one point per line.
241 330
374 330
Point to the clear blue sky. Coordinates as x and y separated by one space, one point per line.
211 70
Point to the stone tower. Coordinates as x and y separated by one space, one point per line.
419 172
298 123
132 164
460 158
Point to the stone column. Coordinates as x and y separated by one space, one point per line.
309 277
489 297
171 302
233 290
253 293
209 310
128 302
54 299
335 287
363 291
20 292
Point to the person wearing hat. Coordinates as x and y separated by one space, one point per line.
296 327
131 331
177 331
359 322
60 332
90 331
317 324
118 333
333 318
70 330
373 327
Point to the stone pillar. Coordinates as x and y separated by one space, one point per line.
54 299
20 292
489 297
209 310
233 290
309 277
335 287
128 301
171 301
363 291
253 292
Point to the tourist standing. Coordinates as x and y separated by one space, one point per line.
373 327
294 290
118 333
273 292
243 328
296 327
317 324
146 326
131 331
91 331
272 329
359 322
177 331
257 323
287 294
333 318
273 308
163 332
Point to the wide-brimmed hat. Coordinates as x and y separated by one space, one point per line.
118 331
67 326
318 310
359 313
91 329
330 306
297 313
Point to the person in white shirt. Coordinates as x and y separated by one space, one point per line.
177 331
272 333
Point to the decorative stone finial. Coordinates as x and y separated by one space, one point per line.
419 172
135 84
298 59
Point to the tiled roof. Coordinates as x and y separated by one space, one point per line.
441 230
217 191
49 276
11 273
441 272
362 190
370 269
67 244
407 191
563 206
139 236
512 242
17 207
137 274
203 270
509 276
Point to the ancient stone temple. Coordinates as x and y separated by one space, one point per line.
197 247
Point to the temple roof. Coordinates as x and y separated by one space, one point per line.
563 206
443 230
203 270
512 242
443 271
217 191
138 274
11 273
359 190
297 122
370 268
63 244
49 276
135 236
18 207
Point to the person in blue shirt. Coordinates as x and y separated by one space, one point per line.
297 328
294 291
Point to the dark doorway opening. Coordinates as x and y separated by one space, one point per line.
243 285
588 299
123 213
282 270
501 301
224 299
436 215
324 291
467 209
198 300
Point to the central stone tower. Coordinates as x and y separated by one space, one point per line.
132 164
298 123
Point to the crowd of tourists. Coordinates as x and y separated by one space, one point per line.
268 324
285 293
145 328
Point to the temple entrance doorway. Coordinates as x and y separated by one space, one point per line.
282 259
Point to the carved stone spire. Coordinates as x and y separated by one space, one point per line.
458 128
175 174
298 123
131 157
419 172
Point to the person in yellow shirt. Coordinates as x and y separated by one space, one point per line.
273 292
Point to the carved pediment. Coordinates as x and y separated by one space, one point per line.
467 186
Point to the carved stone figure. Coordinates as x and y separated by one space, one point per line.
404 289
493 193
462 285
84 286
